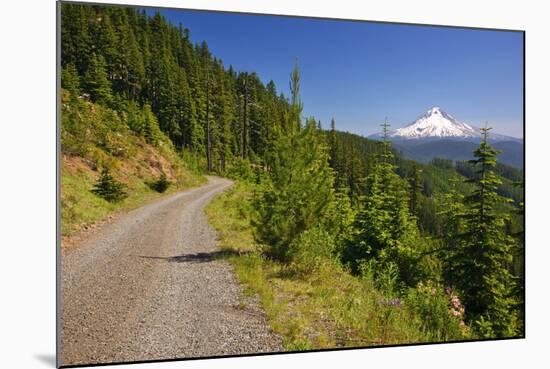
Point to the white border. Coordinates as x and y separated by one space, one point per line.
27 185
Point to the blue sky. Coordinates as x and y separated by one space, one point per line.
359 72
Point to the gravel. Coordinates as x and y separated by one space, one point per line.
148 287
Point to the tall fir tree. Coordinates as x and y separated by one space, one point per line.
70 80
300 185
416 186
96 82
482 259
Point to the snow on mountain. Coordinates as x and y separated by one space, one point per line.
437 124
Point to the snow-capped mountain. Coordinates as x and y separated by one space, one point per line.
438 134
437 124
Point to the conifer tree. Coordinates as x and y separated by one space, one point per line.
384 229
483 257
300 185
96 82
384 215
108 188
70 80
416 186
76 41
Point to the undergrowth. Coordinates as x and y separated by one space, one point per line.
326 306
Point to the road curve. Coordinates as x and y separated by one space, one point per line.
146 287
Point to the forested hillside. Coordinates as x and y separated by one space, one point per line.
424 251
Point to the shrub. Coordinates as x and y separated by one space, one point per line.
240 169
108 188
311 249
383 276
161 184
440 313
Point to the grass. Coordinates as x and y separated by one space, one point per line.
325 308
81 208
95 137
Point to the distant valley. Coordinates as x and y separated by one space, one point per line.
438 134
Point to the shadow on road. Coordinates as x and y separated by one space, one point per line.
200 257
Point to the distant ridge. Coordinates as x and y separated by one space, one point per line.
438 134
438 124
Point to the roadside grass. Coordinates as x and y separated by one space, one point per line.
93 138
325 308
80 208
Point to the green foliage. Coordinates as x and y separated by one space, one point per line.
318 196
339 219
313 248
384 221
416 186
438 319
241 169
300 185
143 122
315 303
70 80
481 255
96 82
507 175
150 69
161 184
108 188
442 163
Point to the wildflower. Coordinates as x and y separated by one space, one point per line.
395 302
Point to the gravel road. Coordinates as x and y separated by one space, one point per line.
147 287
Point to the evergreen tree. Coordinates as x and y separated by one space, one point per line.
300 185
384 230
416 186
161 184
70 80
108 188
482 260
384 217
76 41
96 82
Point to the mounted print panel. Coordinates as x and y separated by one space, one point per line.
241 184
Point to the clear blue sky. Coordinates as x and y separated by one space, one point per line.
359 72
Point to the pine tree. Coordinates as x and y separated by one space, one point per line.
96 82
483 257
161 184
451 210
76 41
335 160
416 186
108 188
384 229
300 185
384 215
70 80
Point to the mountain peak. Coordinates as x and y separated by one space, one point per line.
436 123
434 110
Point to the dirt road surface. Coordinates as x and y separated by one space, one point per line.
148 287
